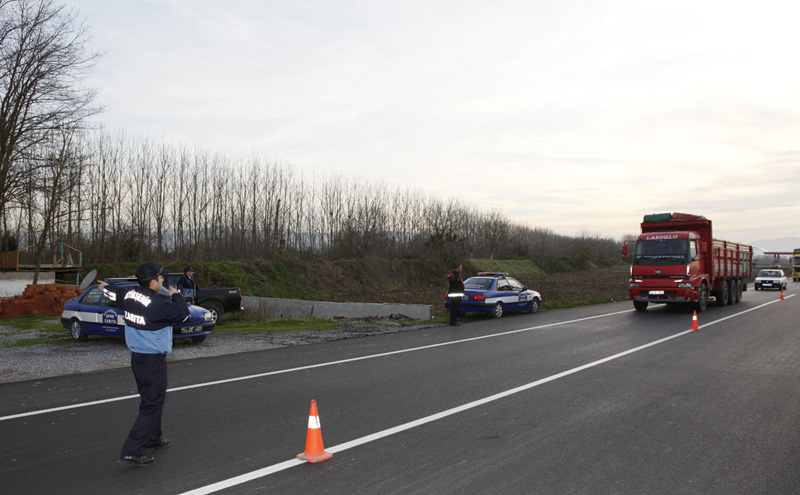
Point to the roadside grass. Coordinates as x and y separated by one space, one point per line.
519 268
236 322
35 330
32 330
239 323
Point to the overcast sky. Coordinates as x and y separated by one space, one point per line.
579 116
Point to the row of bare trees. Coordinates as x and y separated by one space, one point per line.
133 199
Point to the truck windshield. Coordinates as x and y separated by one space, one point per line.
662 252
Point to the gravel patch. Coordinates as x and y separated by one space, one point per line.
101 353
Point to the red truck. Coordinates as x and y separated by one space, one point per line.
676 260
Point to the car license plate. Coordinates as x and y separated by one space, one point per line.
656 292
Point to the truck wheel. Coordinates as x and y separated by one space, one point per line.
738 293
722 295
77 332
640 305
702 300
732 291
216 310
497 311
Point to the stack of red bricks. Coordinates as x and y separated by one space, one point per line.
39 299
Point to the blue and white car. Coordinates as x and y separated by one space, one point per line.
93 313
496 293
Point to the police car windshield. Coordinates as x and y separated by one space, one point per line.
478 283
659 252
769 273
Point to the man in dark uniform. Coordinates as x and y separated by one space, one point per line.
187 285
455 292
149 316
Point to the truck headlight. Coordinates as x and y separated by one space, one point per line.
685 285
633 285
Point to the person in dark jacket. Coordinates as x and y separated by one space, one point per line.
186 284
455 292
149 316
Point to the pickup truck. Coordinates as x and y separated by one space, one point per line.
217 300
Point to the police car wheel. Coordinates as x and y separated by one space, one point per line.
497 311
76 331
534 306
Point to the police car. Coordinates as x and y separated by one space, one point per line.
93 313
496 293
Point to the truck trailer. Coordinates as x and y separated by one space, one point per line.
796 265
677 260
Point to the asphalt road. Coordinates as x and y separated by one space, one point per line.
593 400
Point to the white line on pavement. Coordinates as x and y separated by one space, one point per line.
244 478
303 368
343 361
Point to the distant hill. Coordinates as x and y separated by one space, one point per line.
783 244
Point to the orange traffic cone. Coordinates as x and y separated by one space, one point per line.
781 294
315 452
695 326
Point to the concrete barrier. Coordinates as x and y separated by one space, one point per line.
14 283
270 307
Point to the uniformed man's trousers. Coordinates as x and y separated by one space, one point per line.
150 371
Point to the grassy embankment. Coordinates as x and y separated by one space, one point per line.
367 280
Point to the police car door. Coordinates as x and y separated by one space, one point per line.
96 316
506 294
521 296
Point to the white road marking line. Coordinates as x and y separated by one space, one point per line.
303 368
221 485
244 478
343 361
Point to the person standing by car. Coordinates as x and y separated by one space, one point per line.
455 292
149 316
187 285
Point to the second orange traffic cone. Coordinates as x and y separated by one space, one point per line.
781 294
314 452
695 326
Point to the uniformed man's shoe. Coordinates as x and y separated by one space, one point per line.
162 443
139 461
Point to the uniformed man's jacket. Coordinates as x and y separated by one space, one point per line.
456 288
149 317
187 286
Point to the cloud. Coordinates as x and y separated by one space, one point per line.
569 115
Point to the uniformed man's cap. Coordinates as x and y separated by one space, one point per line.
147 272
188 269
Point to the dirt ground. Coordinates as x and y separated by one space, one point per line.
594 285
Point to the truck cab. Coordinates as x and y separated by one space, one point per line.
665 268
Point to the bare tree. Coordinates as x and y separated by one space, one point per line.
42 64
53 184
493 230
